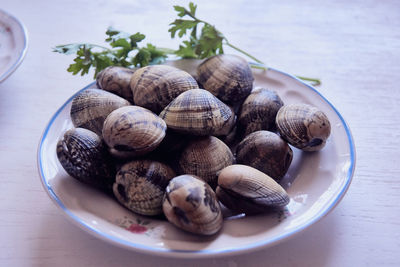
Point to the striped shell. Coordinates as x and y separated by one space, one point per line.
258 111
267 152
228 77
140 186
154 87
90 108
133 131
116 80
198 112
245 189
190 204
205 158
84 156
303 126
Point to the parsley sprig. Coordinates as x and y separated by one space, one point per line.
124 51
210 41
203 40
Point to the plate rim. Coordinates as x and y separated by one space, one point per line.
198 253
22 53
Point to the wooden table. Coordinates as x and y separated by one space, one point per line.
353 46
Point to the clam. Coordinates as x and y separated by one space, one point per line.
205 157
140 186
228 77
132 131
154 87
116 80
90 108
84 156
198 112
303 126
265 151
258 111
190 204
245 189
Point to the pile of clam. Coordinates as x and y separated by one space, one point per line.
161 145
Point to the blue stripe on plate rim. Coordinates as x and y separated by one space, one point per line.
194 253
22 53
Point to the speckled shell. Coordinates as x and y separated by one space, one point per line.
90 108
258 111
205 158
84 156
190 204
228 77
116 80
155 86
303 126
133 131
140 186
267 152
198 112
245 189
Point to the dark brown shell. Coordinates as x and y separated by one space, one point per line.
205 158
228 77
258 111
90 108
190 204
198 112
133 131
84 156
155 86
140 186
303 126
171 146
245 189
116 80
267 152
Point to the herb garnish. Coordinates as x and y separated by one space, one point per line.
203 41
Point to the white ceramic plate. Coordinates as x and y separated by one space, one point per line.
13 44
316 182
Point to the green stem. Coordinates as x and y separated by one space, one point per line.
243 52
195 18
99 46
258 66
313 81
167 50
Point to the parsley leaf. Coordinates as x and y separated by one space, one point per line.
181 26
210 42
186 50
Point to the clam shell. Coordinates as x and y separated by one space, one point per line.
140 186
84 156
198 112
90 108
258 111
245 189
132 131
154 87
205 158
190 204
228 77
303 126
116 80
265 151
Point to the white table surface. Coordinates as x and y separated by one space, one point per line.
353 46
